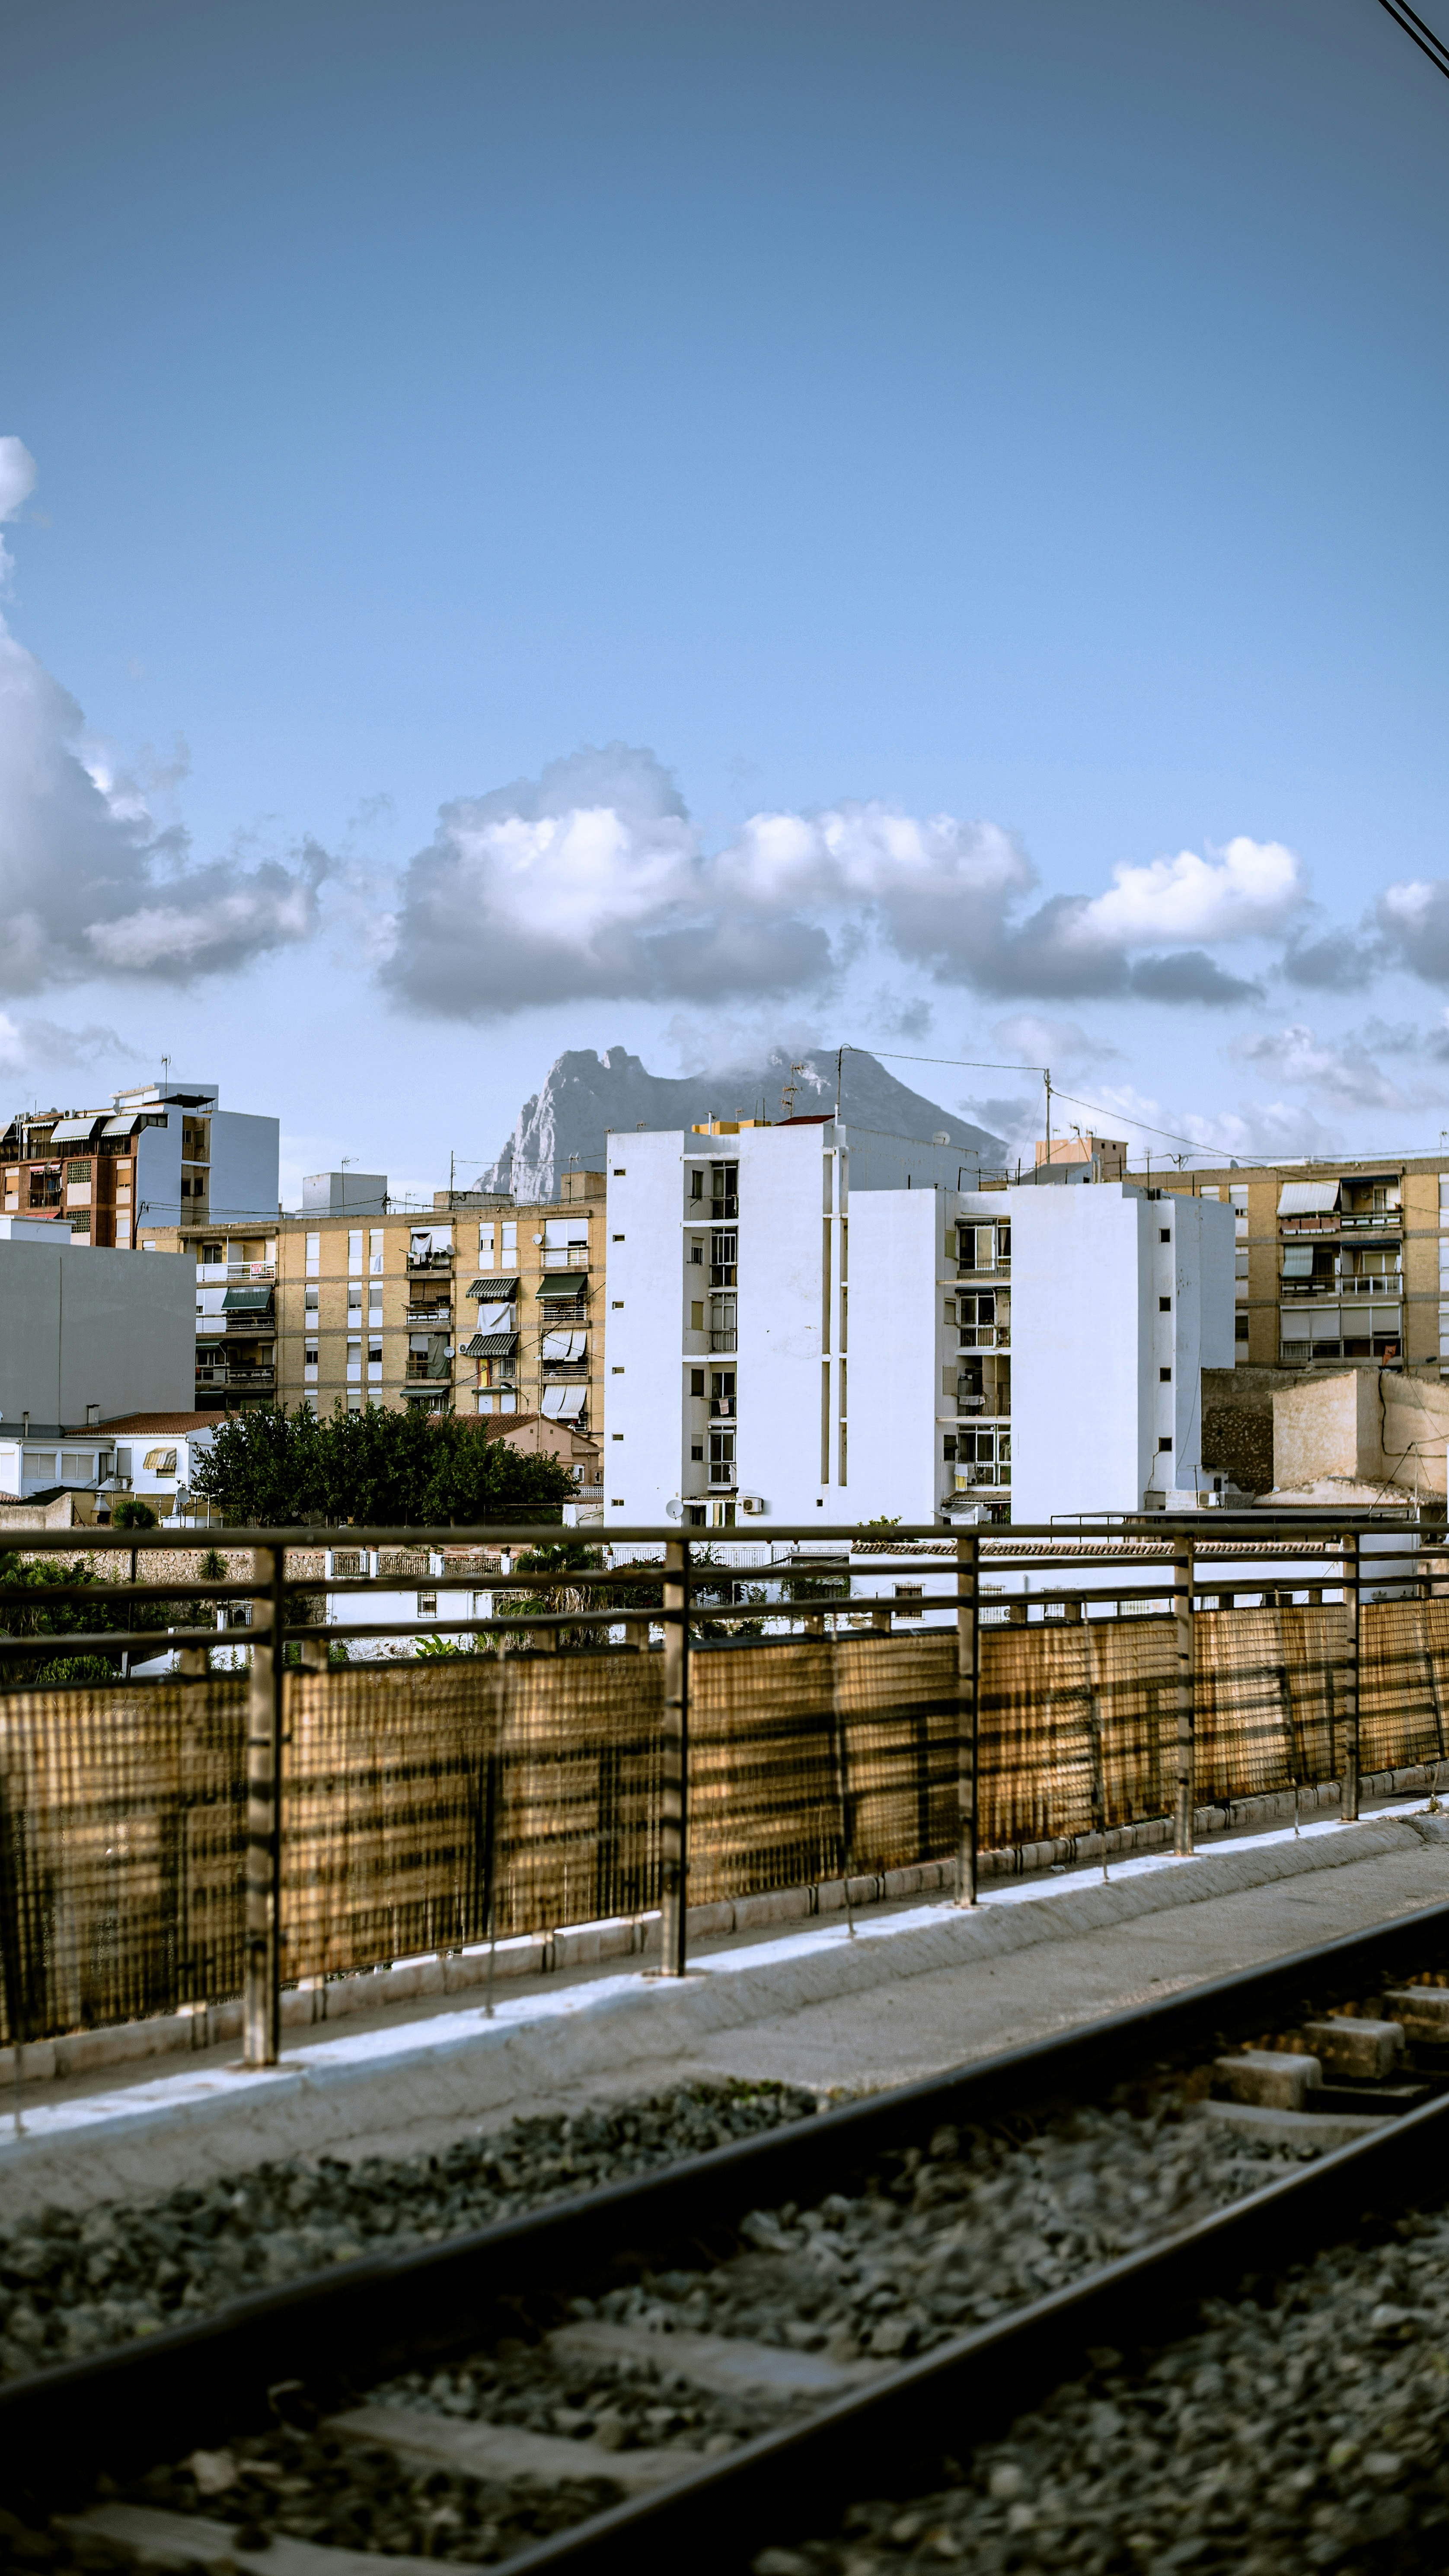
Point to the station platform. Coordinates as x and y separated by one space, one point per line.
913 1989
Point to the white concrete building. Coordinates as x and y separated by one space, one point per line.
85 1335
805 1320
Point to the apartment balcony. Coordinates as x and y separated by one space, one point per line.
427 1373
439 1318
418 1262
564 1372
568 1256
237 1373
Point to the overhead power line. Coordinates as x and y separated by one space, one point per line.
1418 34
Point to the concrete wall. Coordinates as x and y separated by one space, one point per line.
1371 1424
898 1346
244 1159
243 1182
1091 1337
82 1325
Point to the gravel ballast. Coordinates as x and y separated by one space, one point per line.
1301 2429
953 2236
73 2283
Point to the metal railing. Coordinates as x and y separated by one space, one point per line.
1180 1567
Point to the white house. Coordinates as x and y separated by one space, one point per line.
811 1325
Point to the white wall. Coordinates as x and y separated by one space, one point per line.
1090 1339
898 1347
80 1324
244 1159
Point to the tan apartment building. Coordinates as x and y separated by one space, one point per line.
1337 1261
489 1308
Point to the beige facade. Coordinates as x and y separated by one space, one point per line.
1364 1426
1338 1261
481 1307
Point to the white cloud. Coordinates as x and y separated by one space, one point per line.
89 882
1247 890
17 482
1344 1075
592 880
1036 1040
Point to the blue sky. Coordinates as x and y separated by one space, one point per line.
972 472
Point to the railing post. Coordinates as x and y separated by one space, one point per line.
968 1712
262 1999
1351 1611
674 1800
1182 1574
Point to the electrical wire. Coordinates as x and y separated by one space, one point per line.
1418 34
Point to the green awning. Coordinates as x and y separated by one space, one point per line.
563 1283
490 1346
493 1291
247 1301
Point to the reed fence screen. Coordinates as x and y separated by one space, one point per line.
427 1802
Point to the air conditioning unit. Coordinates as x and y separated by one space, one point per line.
753 1503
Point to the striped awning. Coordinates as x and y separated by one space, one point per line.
491 1346
491 1290
564 1283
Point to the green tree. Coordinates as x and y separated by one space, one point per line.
379 1470
131 1513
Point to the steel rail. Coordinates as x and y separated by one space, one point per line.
794 2484
188 2386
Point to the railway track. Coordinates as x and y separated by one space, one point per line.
722 2357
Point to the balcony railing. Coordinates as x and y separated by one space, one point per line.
568 1256
234 1376
429 1261
440 1317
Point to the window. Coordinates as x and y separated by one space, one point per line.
696 1381
485 1247
696 1449
696 1252
617 1370
374 1251
374 1355
696 1185
1165 1441
722 1394
619 1172
510 1242
696 1314
1240 1328
309 1358
910 1601
618 1238
723 1255
374 1310
427 1605
721 1457
1166 1376
354 1303
309 1300
1164 1234
722 1314
724 1190
1164 1305
211 1253
77 1171
617 1304
354 1251
616 1435
314 1255
354 1359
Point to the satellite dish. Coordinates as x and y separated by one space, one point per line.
675 1510
941 1137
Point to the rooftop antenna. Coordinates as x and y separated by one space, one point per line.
166 1073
